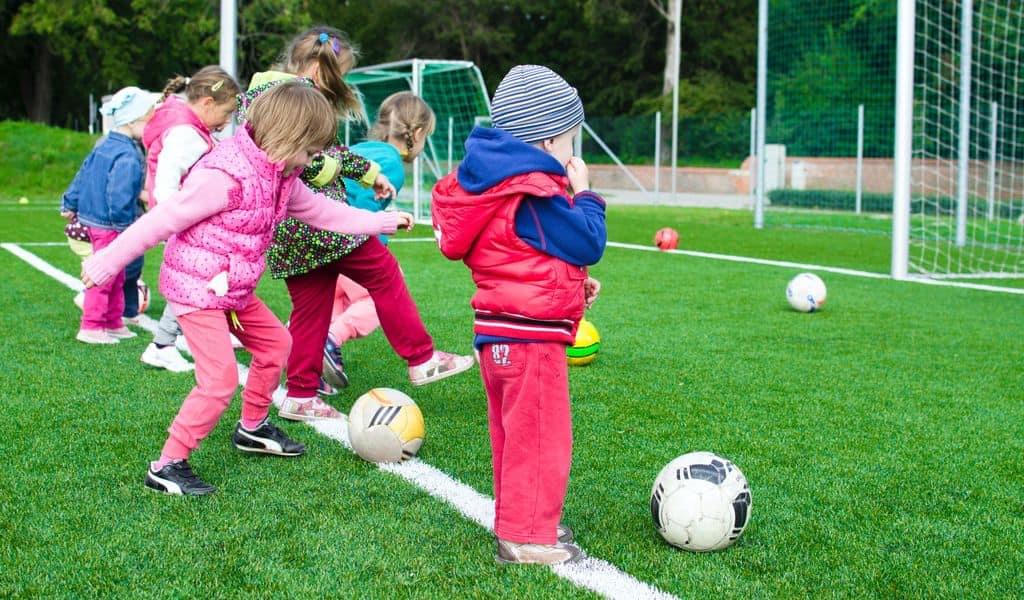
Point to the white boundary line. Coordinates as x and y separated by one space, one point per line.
591 573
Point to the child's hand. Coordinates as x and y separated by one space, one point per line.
591 288
86 279
382 188
405 220
579 175
69 215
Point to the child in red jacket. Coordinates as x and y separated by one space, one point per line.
508 214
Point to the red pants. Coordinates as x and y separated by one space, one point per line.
104 304
531 437
372 266
206 332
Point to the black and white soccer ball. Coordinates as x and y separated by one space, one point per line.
700 502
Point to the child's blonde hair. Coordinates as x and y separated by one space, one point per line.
334 55
399 116
290 118
212 81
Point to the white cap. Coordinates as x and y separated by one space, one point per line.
129 104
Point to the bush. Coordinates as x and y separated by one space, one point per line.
882 203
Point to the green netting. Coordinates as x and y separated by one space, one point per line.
825 60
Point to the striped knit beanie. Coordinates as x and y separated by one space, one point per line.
534 103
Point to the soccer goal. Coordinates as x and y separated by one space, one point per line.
453 88
959 169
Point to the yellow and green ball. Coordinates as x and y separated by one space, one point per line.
588 342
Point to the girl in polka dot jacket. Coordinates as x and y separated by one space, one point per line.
219 226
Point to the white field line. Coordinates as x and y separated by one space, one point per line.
591 573
41 243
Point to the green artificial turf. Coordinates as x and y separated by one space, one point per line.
882 437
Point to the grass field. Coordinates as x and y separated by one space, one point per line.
882 437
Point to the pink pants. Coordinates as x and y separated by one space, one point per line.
354 315
531 437
372 266
206 332
104 304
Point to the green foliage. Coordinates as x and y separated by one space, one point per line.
39 161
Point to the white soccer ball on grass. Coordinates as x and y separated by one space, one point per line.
806 292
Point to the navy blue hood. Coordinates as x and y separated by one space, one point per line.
492 156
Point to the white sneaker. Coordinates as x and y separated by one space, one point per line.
122 333
95 336
440 365
167 357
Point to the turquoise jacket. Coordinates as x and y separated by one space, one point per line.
391 166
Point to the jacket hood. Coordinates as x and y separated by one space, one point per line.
498 169
492 156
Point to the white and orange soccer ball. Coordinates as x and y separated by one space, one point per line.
385 425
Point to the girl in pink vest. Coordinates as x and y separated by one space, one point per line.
219 226
178 135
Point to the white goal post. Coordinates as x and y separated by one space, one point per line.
958 184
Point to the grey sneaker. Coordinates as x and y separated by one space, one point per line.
537 554
565 535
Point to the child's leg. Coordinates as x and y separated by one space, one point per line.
354 315
167 328
131 287
372 266
268 341
103 304
531 429
216 381
311 295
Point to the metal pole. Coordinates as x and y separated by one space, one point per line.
966 34
451 139
657 153
577 142
347 133
753 155
904 138
417 169
860 157
992 161
92 115
677 19
228 45
762 105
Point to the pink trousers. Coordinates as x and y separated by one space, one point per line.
104 304
531 437
206 332
354 315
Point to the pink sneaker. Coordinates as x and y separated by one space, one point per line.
440 365
122 333
95 336
306 409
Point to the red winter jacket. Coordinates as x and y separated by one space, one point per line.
522 293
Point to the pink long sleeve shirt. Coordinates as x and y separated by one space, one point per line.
204 194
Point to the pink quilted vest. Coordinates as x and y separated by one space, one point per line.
232 241
172 112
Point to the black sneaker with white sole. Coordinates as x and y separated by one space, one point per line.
266 439
177 479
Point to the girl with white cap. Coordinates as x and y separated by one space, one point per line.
104 196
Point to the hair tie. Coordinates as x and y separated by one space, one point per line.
323 38
217 86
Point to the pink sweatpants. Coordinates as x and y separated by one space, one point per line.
104 304
354 315
531 437
206 332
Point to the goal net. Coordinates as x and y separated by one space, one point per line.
967 165
456 92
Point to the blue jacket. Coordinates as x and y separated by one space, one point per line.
391 165
570 229
105 191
